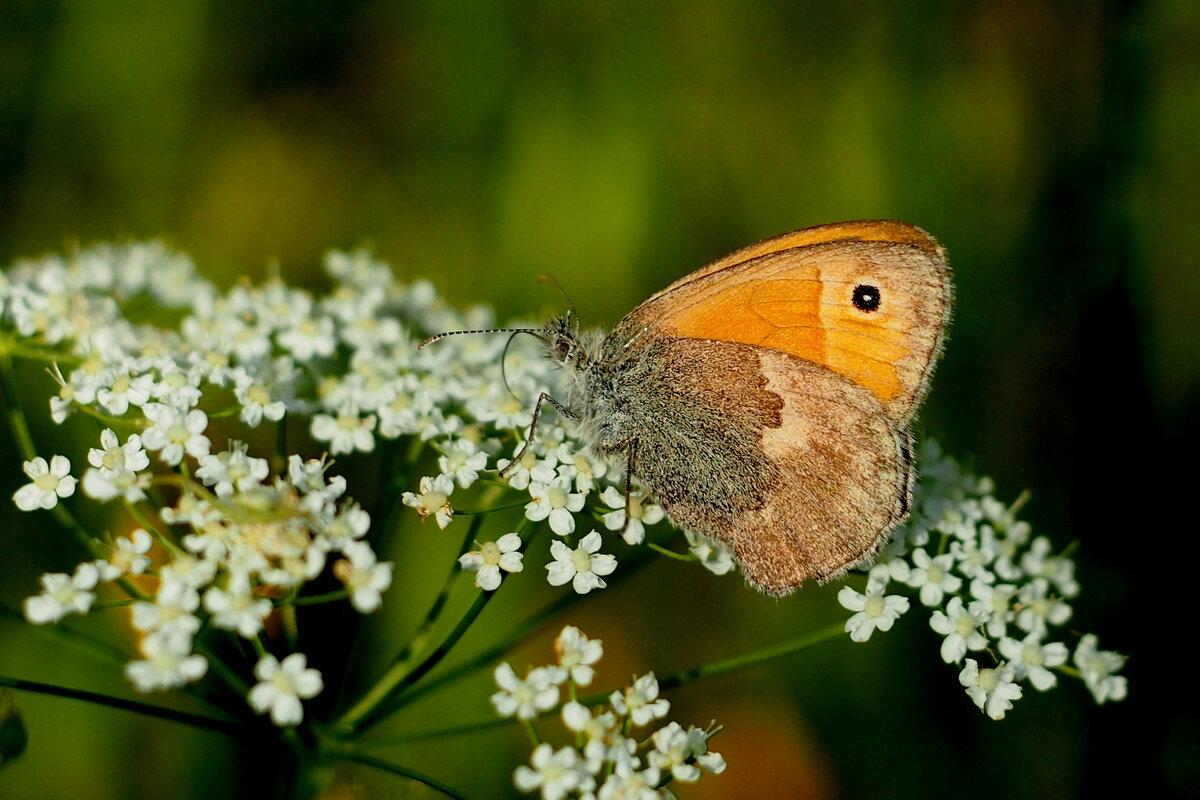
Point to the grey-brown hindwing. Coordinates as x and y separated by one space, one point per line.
794 467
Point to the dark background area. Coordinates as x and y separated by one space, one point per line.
1051 146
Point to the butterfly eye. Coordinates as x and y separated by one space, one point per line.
866 297
563 348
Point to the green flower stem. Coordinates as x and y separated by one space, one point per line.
221 669
475 512
317 599
527 629
145 522
16 414
367 711
669 553
374 705
280 454
108 420
751 659
421 635
712 670
37 354
396 769
393 480
72 637
291 627
194 720
125 603
20 429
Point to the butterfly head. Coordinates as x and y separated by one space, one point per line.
565 344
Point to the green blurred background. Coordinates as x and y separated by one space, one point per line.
1052 147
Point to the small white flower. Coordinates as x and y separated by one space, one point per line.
231 469
1099 668
125 390
713 556
960 626
992 690
175 433
1039 563
235 608
168 662
257 403
366 579
462 460
281 687
576 654
576 716
933 576
128 556
114 469
350 524
522 473
172 609
434 498
640 701
348 432
1032 660
525 698
308 337
681 751
63 594
641 514
188 569
581 567
492 558
995 604
626 783
974 558
50 482
555 773
1040 609
556 502
874 610
576 466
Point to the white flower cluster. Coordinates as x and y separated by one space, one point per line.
216 536
991 587
607 761
219 533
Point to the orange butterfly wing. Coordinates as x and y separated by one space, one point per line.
869 300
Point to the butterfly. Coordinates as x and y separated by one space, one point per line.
765 400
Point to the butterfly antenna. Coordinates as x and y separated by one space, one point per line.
572 315
434 338
503 366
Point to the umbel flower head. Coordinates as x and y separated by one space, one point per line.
222 514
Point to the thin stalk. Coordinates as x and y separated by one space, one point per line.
411 774
725 666
194 720
381 699
525 630
20 428
366 712
317 599
421 634
70 636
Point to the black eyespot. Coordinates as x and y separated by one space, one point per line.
866 298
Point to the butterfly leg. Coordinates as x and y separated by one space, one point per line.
537 411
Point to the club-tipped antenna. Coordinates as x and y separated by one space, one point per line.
573 315
435 337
